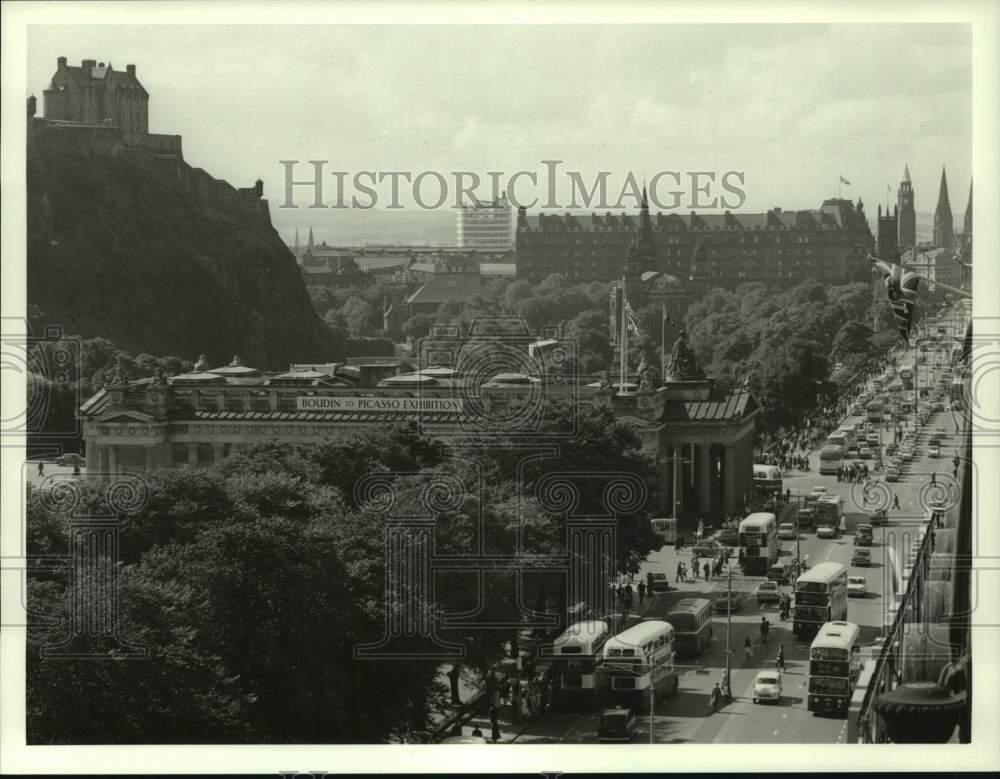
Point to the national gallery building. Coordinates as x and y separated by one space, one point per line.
700 437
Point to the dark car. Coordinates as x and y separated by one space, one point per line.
657 582
617 724
728 536
729 601
861 556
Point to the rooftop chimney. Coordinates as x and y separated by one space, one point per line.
88 65
60 63
130 69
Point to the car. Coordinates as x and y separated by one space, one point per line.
710 548
786 530
657 582
863 535
934 450
767 687
618 724
729 601
805 517
861 556
818 491
826 531
906 455
767 592
70 459
728 537
938 406
879 517
857 587
891 449
866 453
872 440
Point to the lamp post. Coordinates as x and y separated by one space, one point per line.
729 630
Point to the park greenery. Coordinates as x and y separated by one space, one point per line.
250 583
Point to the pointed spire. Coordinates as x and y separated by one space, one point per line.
906 173
296 240
943 192
311 244
967 225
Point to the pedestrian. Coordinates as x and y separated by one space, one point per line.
678 578
934 477
614 594
764 628
895 501
708 569
788 495
41 468
495 723
694 567
747 647
627 602
628 594
716 697
641 589
781 658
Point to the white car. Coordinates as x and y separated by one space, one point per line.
767 687
786 530
856 587
826 531
818 490
934 450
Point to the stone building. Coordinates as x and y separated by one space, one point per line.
95 93
887 244
486 226
699 436
783 248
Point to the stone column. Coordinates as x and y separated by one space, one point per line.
219 452
731 501
192 454
152 458
95 462
704 478
112 461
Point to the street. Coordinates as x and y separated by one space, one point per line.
686 718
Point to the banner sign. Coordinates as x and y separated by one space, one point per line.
328 403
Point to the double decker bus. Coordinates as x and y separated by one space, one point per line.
767 482
834 667
850 433
875 410
691 619
575 654
820 597
829 511
831 458
636 659
759 542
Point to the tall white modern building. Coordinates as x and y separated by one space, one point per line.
487 227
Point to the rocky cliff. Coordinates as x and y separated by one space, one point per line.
120 247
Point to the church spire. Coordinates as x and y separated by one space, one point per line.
906 174
943 228
645 241
311 245
296 241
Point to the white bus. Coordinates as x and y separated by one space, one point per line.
834 667
759 543
831 458
575 654
635 659
820 597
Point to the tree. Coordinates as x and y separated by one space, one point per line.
359 316
417 326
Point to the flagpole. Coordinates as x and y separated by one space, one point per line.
663 340
623 345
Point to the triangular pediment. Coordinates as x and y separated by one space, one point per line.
125 415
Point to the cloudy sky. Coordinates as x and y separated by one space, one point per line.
790 106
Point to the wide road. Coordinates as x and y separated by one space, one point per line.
686 718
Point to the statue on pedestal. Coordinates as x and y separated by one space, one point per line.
683 362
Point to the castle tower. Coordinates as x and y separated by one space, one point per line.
887 246
633 275
907 215
943 228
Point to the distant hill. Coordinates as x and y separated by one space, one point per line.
118 248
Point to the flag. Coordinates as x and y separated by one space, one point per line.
632 320
844 181
901 287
